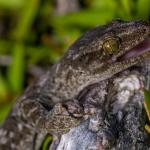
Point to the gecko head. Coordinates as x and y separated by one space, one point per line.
110 48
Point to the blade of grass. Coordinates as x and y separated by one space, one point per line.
147 98
46 143
4 110
147 102
143 9
3 88
27 17
17 68
126 8
11 4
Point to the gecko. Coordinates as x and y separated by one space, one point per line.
96 56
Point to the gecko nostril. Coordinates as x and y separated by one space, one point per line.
144 30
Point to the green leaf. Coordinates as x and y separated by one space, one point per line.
11 4
4 110
17 68
143 9
27 16
84 18
147 98
3 88
46 143
126 6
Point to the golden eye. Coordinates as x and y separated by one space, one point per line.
111 45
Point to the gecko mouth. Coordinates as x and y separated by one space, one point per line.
140 49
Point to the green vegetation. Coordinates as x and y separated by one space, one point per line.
147 107
33 36
46 142
147 99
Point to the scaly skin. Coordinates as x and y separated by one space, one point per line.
43 107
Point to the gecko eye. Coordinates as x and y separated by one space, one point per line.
111 45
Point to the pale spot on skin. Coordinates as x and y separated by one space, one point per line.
94 124
126 88
57 68
11 134
38 120
122 99
13 146
31 111
3 132
43 80
3 137
21 143
20 127
3 140
131 83
102 93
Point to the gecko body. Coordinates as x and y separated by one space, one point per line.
96 56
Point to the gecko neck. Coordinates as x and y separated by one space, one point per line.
65 83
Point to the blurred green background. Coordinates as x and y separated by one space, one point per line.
35 33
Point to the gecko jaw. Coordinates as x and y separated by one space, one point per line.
140 49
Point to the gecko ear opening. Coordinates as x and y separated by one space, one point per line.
111 45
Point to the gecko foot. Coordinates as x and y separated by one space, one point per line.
74 108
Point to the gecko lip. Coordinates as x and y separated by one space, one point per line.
138 50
